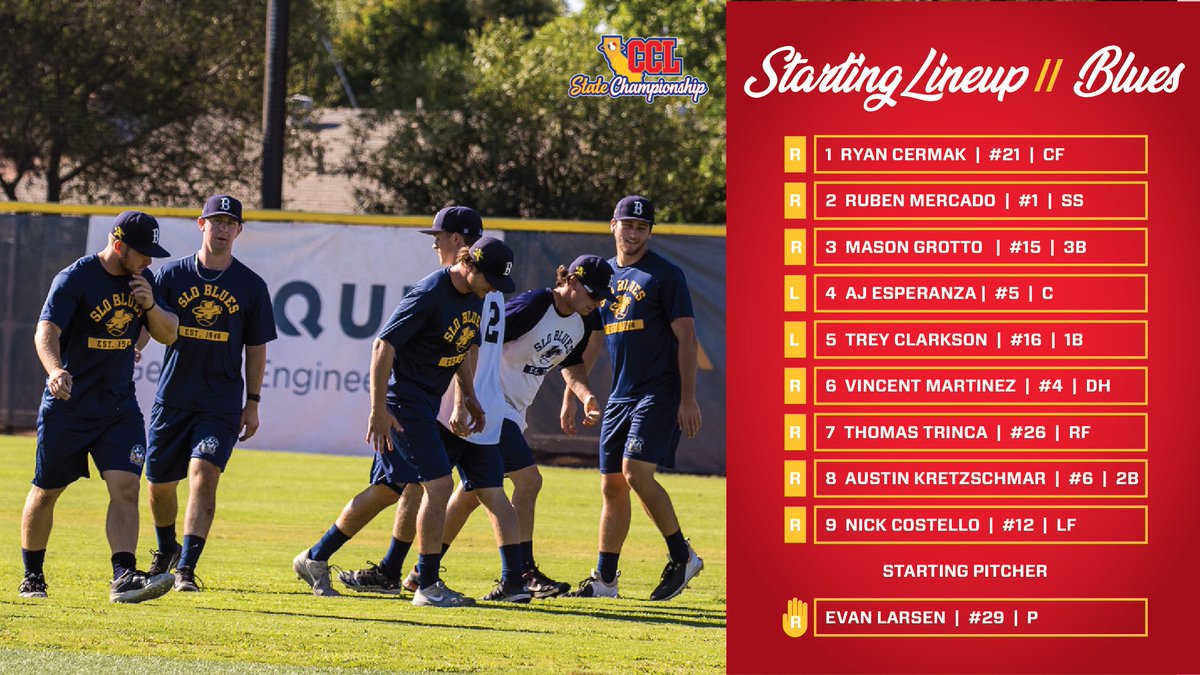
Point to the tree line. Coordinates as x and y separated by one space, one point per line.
140 101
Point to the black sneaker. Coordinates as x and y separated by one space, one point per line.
676 575
186 582
502 594
136 586
161 563
542 586
33 586
370 580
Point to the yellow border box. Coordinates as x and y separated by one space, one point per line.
1031 232
1145 200
817 418
1145 618
795 432
979 542
1145 152
971 495
818 345
1144 401
794 151
982 310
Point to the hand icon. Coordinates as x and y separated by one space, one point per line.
795 621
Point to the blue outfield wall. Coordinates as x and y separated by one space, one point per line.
34 247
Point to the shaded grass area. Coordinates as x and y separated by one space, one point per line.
255 617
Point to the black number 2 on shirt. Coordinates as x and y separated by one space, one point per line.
491 334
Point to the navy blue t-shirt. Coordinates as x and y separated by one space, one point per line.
651 293
432 330
100 321
220 312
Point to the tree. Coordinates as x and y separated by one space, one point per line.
398 51
517 146
129 100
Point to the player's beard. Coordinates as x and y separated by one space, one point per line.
128 264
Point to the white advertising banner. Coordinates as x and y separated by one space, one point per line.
332 287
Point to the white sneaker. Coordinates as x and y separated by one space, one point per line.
594 587
315 573
440 595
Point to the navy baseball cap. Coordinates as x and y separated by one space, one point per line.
460 219
140 231
594 273
634 207
223 205
495 259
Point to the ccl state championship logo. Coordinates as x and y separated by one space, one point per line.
643 67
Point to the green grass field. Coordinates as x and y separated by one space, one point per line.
256 617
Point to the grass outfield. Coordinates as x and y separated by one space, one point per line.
256 617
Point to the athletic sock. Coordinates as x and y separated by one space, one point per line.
34 560
606 565
677 546
193 546
392 564
330 542
510 566
123 561
427 568
166 539
527 556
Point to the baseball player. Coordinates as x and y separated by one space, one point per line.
96 312
650 333
476 455
224 310
424 344
542 329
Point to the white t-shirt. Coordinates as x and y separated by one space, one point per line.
537 338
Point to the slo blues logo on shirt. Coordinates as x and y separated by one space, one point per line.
461 332
206 304
117 314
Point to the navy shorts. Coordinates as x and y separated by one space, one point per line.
513 449
418 454
646 430
176 436
479 466
116 442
